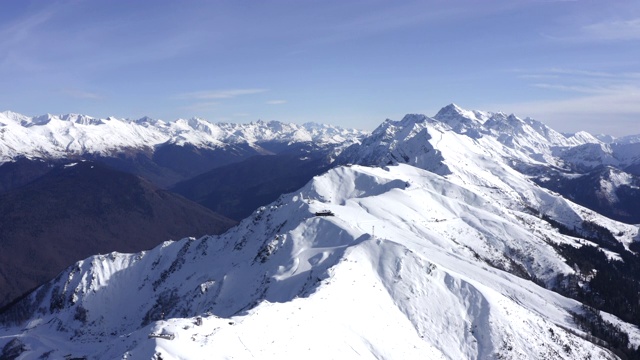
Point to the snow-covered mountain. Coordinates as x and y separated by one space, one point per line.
444 249
524 140
469 139
55 136
162 152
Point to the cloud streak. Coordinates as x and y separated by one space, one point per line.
579 99
276 102
219 94
22 29
582 81
80 94
620 30
201 106
605 31
590 112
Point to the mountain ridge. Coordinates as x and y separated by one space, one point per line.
57 136
442 246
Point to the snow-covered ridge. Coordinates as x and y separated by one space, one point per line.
527 140
400 271
441 251
416 139
53 136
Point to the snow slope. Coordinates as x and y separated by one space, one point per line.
52 136
491 150
442 251
403 270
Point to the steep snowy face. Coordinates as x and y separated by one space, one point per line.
612 180
589 156
405 141
52 136
494 151
393 262
524 135
484 161
417 140
462 121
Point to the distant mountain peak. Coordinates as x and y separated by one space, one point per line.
53 136
142 120
81 119
449 112
454 114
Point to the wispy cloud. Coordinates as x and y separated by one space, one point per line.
577 88
574 73
16 38
581 99
606 31
80 94
613 30
219 94
581 81
587 109
201 106
384 17
276 102
22 28
589 73
602 105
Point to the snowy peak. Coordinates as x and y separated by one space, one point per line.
52 136
454 113
528 134
495 154
505 124
406 141
43 120
462 121
476 123
324 133
144 121
424 142
81 119
584 137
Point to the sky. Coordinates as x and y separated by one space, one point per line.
574 65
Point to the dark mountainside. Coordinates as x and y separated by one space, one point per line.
236 190
618 203
76 211
23 171
164 166
169 164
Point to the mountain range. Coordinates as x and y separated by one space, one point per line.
164 152
466 235
72 185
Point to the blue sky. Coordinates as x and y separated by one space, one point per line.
571 64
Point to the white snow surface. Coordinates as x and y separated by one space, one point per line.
497 134
417 263
53 136
407 268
